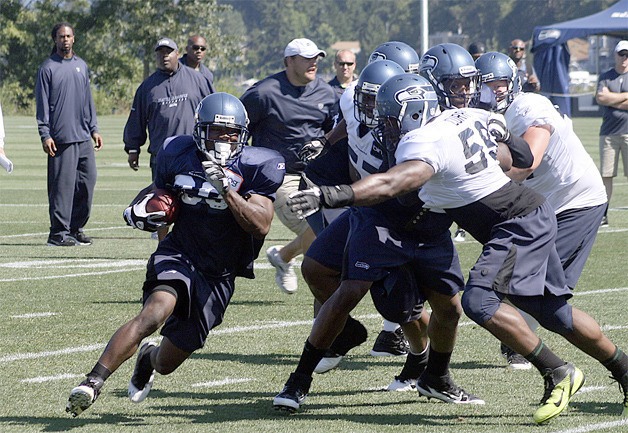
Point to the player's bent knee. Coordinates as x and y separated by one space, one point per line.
480 304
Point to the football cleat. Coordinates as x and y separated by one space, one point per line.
412 370
142 379
460 235
515 360
390 344
623 386
84 395
444 389
285 277
560 385
329 362
402 385
293 394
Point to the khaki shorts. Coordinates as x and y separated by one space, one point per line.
611 146
285 215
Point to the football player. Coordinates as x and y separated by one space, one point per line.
394 250
226 192
562 170
452 160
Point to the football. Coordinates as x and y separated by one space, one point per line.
164 200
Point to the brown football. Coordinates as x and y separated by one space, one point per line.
164 200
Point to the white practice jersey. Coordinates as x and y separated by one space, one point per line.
458 147
364 155
567 176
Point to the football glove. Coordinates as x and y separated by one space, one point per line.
497 128
137 217
216 176
313 149
308 201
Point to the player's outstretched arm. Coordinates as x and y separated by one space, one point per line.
401 179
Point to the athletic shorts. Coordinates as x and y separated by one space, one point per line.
329 245
286 216
577 230
520 258
374 250
611 146
201 301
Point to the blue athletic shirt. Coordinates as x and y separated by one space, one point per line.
205 230
65 107
285 117
165 104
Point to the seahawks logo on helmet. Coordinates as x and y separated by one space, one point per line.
429 62
410 93
376 55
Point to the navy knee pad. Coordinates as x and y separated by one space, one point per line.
480 304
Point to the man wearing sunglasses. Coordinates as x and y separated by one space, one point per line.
529 80
344 64
195 52
612 95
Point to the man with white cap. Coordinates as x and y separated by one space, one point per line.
612 95
287 110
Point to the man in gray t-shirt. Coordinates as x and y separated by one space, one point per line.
612 95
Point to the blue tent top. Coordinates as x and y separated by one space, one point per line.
551 55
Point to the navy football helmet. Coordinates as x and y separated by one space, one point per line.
371 78
450 69
403 103
225 111
399 52
494 66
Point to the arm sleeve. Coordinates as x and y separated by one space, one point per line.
135 129
520 151
42 94
93 123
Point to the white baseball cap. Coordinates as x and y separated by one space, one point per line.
621 46
304 48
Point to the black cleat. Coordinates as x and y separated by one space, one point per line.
84 395
293 393
390 344
444 389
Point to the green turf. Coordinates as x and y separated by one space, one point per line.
90 291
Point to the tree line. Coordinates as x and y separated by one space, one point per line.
246 38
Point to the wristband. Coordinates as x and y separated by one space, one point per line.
337 196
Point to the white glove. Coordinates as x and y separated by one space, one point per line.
216 176
497 127
137 217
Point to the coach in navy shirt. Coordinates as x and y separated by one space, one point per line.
66 119
287 110
164 104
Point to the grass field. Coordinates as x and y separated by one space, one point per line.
61 305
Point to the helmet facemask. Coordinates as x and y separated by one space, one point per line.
209 138
364 104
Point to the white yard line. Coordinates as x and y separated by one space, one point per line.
225 381
594 427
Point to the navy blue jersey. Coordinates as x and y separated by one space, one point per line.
65 107
206 230
284 117
165 104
